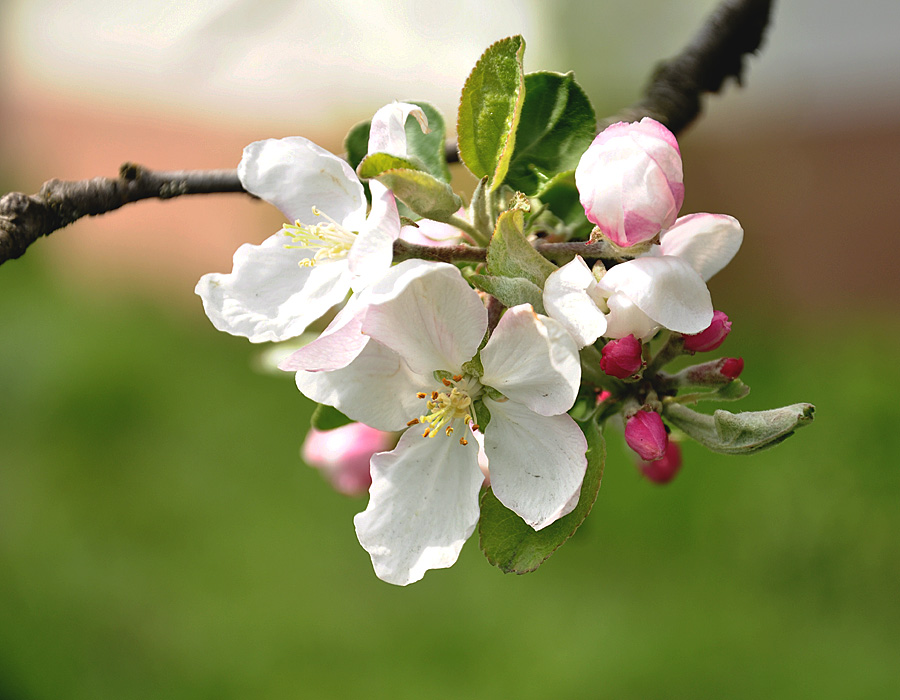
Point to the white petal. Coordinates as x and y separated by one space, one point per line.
707 241
537 462
665 288
336 347
388 130
435 320
567 300
423 506
295 175
532 359
627 319
377 388
373 251
267 295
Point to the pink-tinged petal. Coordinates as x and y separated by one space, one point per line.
387 133
630 181
336 347
342 455
532 359
707 241
377 388
435 320
373 251
665 288
268 296
423 506
537 463
567 299
296 175
433 233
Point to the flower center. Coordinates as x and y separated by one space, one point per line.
331 241
449 410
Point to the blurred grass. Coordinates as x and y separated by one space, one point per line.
159 536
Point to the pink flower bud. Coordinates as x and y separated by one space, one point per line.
343 454
712 337
646 435
663 470
732 367
622 358
630 181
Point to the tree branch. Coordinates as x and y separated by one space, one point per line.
735 28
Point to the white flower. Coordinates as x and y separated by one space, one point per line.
424 325
664 288
278 288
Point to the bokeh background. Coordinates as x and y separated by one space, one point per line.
159 535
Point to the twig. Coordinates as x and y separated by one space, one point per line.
716 53
735 28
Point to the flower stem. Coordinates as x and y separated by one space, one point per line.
478 236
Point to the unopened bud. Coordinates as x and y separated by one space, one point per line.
646 435
622 358
342 455
663 470
712 337
732 367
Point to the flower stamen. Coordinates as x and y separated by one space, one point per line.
331 241
445 409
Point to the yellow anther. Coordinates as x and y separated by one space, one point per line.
434 396
421 395
463 442
457 377
446 382
412 422
449 431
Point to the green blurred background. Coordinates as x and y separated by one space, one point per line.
160 537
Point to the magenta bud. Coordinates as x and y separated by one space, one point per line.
343 454
663 470
646 435
622 357
732 367
712 337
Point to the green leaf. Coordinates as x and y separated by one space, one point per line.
511 291
479 209
327 418
422 193
428 148
509 543
511 255
561 197
489 110
356 143
556 127
740 433
376 163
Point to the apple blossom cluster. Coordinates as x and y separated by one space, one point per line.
475 353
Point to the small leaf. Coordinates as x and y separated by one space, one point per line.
489 110
511 255
422 193
556 127
479 208
356 143
376 163
509 543
740 433
511 291
328 418
561 197
428 149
